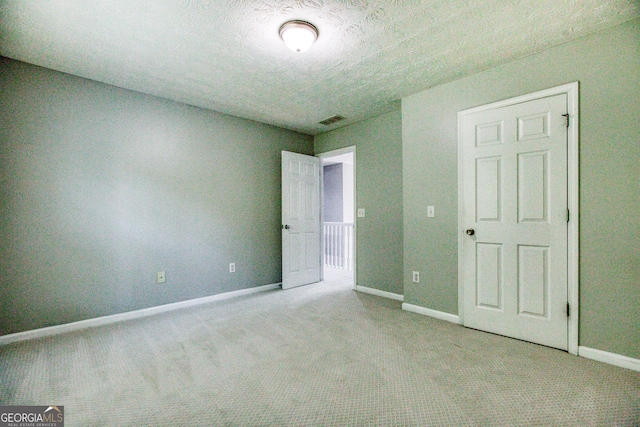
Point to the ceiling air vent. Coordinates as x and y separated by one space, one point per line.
331 120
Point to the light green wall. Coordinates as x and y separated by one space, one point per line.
607 65
101 187
378 144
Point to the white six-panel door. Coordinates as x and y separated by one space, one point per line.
514 173
300 219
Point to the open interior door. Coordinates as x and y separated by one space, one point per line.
300 219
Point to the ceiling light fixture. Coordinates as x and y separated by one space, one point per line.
298 35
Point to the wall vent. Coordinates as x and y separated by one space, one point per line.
331 120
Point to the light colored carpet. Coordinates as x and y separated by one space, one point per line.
320 355
338 275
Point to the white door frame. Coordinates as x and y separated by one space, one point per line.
571 89
322 156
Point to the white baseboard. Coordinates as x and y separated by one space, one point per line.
380 293
610 358
432 313
136 314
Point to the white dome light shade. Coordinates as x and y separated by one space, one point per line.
298 35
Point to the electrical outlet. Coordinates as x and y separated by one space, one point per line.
161 277
232 267
416 277
360 213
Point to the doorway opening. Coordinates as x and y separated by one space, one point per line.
338 216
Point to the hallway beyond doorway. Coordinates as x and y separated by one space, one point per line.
339 275
338 206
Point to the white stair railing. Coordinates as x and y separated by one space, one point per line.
338 245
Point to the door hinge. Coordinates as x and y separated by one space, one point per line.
568 215
568 310
567 117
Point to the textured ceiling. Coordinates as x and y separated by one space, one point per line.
227 55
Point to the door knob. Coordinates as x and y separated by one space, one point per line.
470 232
